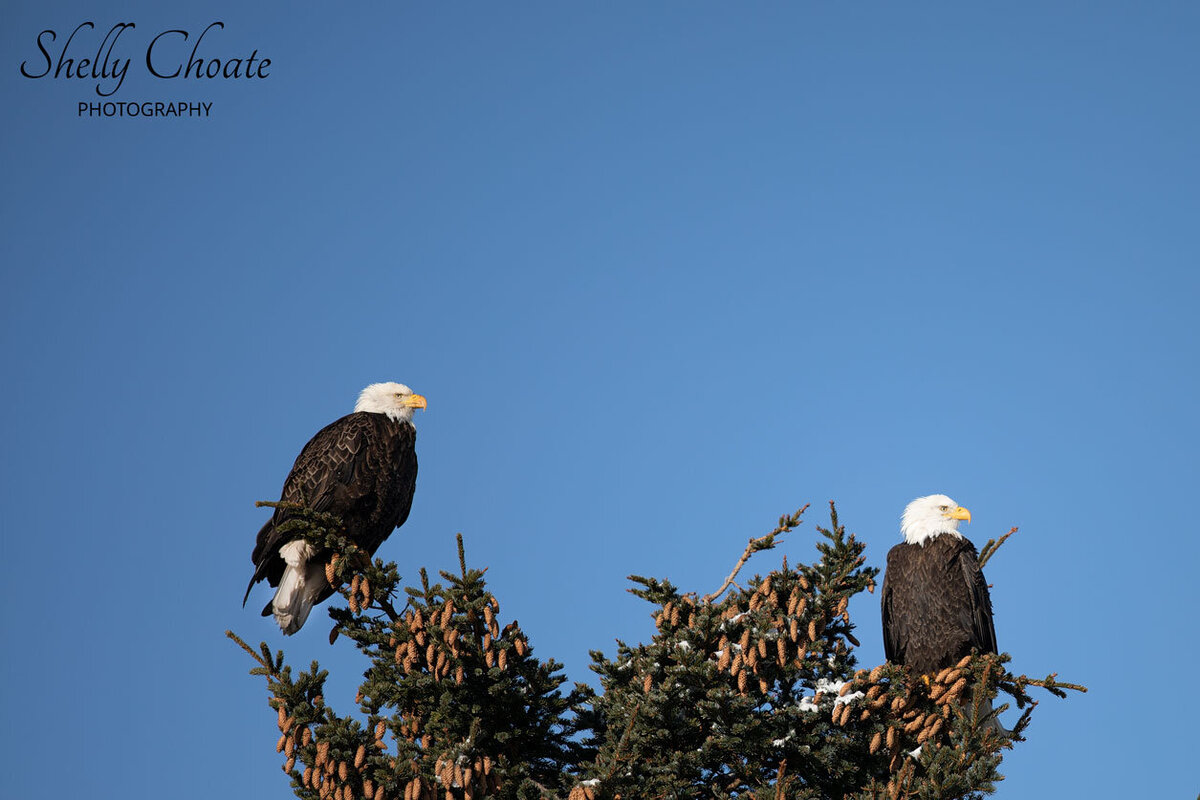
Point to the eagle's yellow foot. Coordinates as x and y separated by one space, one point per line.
928 681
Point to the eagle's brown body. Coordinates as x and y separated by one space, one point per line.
361 468
935 603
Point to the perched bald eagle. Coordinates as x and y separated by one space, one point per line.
935 600
361 468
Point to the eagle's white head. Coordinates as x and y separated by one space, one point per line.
394 399
927 517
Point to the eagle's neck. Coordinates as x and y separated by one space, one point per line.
400 416
920 536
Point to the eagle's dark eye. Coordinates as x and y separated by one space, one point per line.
944 508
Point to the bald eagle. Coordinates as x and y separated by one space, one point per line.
361 468
935 601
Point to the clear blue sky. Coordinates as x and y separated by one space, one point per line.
664 271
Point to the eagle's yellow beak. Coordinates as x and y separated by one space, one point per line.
959 513
414 401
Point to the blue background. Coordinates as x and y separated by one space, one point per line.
664 271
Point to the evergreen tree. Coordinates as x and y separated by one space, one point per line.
743 693
452 704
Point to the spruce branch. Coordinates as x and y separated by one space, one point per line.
620 753
1051 684
265 662
279 504
385 604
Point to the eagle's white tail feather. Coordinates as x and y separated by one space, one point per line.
299 587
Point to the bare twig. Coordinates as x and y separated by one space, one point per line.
786 524
992 546
761 543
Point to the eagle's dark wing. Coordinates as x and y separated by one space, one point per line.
328 470
327 476
894 625
983 630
